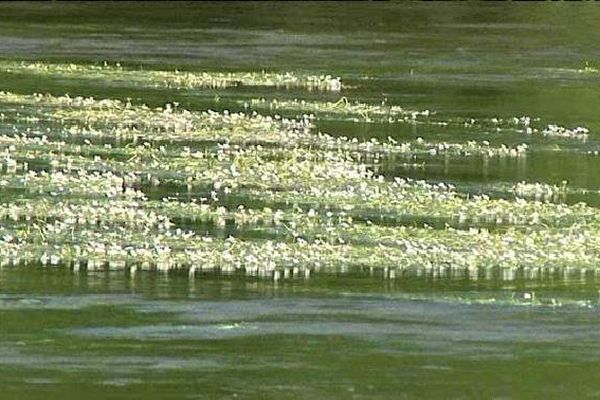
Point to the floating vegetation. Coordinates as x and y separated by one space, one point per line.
540 191
362 112
356 111
90 118
81 182
524 124
107 73
114 118
127 237
106 183
560 131
588 69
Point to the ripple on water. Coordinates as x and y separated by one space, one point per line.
72 302
436 327
116 365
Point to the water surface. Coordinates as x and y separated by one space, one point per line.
350 334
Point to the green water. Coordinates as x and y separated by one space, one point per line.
341 333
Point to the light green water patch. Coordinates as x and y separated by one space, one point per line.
118 75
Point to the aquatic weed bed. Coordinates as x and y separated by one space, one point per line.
84 174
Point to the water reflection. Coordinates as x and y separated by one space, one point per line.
37 288
215 332
163 329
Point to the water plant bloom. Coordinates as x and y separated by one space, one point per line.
116 184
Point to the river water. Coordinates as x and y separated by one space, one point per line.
338 334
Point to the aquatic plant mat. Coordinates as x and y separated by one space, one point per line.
114 184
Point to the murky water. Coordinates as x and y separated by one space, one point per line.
336 334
